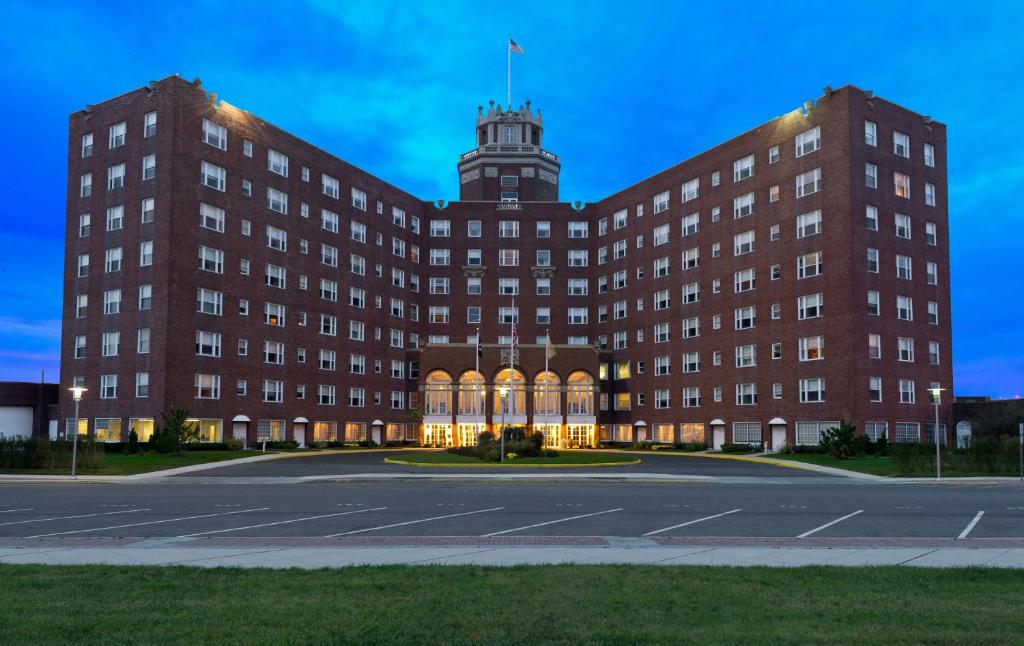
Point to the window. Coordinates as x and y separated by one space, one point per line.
874 346
933 353
211 217
904 308
744 280
358 198
933 313
872 260
691 328
660 202
142 384
810 306
661 332
213 176
577 286
117 135
111 342
108 386
691 258
277 162
112 260
277 200
930 233
908 394
929 194
145 297
808 265
808 141
273 314
903 267
691 293
273 391
661 269
900 144
577 257
773 154
873 303
543 229
510 229
870 175
690 224
691 362
660 235
145 253
115 177
745 317
543 287
208 344
577 316
148 167
809 182
875 389
808 224
87 145
576 229
871 217
209 301
211 259
746 395
901 185
906 349
115 218
215 135
870 133
812 348
743 168
812 390
743 243
746 356
743 206
929 155
690 191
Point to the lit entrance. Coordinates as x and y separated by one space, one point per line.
469 433
437 434
579 435
552 433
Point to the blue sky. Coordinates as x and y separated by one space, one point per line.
626 91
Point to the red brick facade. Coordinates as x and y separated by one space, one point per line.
397 252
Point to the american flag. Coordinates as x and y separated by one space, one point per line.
515 337
514 47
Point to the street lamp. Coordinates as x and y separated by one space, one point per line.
503 395
938 458
76 394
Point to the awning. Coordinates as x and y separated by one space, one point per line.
717 422
377 422
300 420
777 421
639 423
241 418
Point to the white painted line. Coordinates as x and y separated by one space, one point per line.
970 526
11 511
150 522
692 522
413 522
552 522
830 523
280 522
43 520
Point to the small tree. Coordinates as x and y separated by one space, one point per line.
838 442
176 430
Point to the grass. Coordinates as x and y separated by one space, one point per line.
565 458
516 605
123 464
882 466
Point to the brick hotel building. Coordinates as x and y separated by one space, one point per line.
761 291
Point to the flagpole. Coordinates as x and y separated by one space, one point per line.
476 385
547 383
509 56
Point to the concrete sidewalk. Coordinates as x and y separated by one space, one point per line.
334 557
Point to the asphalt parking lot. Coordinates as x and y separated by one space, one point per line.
370 510
360 462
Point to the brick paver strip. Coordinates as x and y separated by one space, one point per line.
400 541
78 541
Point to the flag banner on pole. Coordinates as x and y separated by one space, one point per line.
549 349
479 347
515 337
513 47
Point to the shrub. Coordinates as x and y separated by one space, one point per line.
133 441
522 443
231 444
690 446
730 447
838 442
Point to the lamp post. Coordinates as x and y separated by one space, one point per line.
76 393
503 394
938 457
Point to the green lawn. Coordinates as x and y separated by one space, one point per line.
123 464
565 458
516 605
886 466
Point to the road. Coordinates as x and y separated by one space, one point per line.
716 513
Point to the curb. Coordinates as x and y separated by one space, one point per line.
499 465
803 466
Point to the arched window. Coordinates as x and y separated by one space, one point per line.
510 392
437 394
579 395
472 394
546 395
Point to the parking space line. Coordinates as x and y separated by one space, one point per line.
970 526
280 522
43 520
830 523
150 522
413 522
11 511
552 522
691 522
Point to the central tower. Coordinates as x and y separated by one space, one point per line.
508 163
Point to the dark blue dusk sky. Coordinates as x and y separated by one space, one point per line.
626 90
